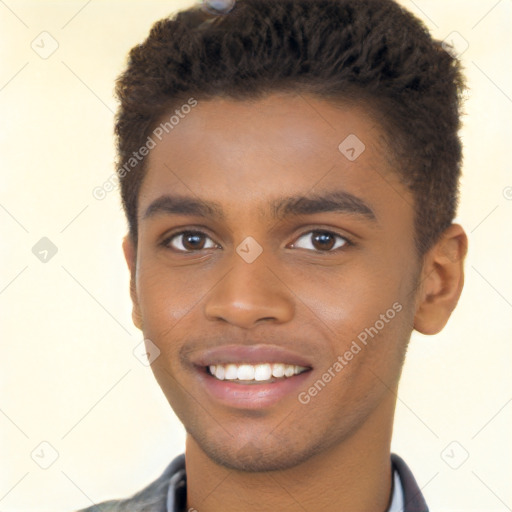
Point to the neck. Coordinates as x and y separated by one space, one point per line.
354 475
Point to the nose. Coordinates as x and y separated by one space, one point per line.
249 294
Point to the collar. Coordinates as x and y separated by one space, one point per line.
177 492
397 500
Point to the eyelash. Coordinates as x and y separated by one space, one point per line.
347 242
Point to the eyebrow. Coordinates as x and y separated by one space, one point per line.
183 205
331 202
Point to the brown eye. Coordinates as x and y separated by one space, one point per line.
189 241
321 241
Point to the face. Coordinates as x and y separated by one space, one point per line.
262 244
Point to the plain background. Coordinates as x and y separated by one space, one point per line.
68 373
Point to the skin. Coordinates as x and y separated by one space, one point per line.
333 452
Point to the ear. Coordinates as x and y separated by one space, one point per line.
442 279
130 254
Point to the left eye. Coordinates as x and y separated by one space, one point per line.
324 241
189 241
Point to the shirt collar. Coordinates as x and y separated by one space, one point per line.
177 493
397 501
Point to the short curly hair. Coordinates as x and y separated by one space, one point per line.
373 51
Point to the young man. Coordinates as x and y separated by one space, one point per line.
289 171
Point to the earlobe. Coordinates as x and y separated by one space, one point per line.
129 251
130 254
442 280
136 317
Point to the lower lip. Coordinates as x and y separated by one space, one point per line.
252 396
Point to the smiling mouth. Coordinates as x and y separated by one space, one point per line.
254 373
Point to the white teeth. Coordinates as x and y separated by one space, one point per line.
219 372
245 372
258 372
262 372
278 370
231 372
289 370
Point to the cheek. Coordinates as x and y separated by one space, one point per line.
165 296
367 320
348 300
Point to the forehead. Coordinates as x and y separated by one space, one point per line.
244 151
279 125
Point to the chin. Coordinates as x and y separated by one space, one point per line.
252 458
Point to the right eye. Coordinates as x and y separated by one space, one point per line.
189 241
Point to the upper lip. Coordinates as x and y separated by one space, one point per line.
253 354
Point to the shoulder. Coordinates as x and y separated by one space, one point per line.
152 498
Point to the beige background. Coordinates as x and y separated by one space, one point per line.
68 374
